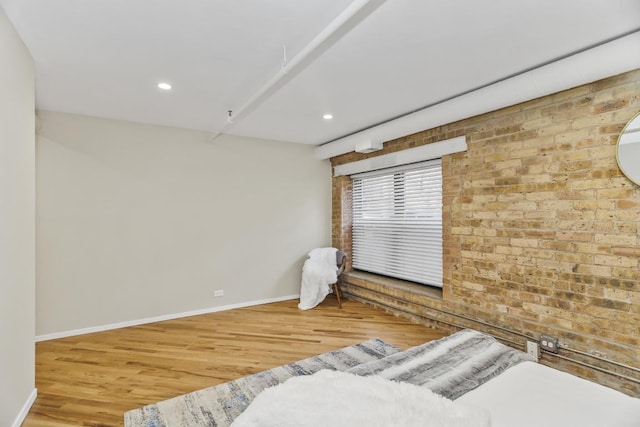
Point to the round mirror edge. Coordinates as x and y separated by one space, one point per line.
635 180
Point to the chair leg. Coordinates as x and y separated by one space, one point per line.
338 292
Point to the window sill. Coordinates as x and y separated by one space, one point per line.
400 285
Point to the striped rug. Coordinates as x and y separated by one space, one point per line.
219 405
450 366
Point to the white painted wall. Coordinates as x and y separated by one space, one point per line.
137 221
17 227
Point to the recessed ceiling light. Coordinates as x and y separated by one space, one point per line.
164 86
328 116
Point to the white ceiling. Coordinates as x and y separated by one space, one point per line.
104 57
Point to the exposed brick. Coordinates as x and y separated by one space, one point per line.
590 248
540 226
616 261
626 252
611 105
627 204
616 193
592 205
612 304
573 236
594 270
616 239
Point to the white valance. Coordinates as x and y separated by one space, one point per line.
405 157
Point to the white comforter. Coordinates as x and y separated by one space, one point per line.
339 399
318 273
534 395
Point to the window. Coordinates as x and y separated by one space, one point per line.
397 222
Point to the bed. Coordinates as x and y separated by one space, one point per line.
530 394
478 383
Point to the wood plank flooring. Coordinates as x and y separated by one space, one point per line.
91 380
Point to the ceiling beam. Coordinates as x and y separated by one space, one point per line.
351 17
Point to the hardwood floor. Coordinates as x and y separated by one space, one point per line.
91 380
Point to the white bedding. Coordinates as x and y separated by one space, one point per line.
319 271
534 395
340 399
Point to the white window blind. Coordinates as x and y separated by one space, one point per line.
397 222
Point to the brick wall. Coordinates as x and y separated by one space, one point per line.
541 229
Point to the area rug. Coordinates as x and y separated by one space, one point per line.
219 405
450 366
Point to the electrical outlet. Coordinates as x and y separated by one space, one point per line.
549 343
218 293
533 350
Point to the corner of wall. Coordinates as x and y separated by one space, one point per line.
17 226
24 411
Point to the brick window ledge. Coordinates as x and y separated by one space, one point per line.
394 284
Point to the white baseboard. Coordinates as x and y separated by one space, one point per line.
25 409
119 325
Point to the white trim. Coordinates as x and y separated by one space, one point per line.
401 168
137 322
413 155
606 60
25 408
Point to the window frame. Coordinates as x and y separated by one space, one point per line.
405 245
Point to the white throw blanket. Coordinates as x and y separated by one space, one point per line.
339 399
318 273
